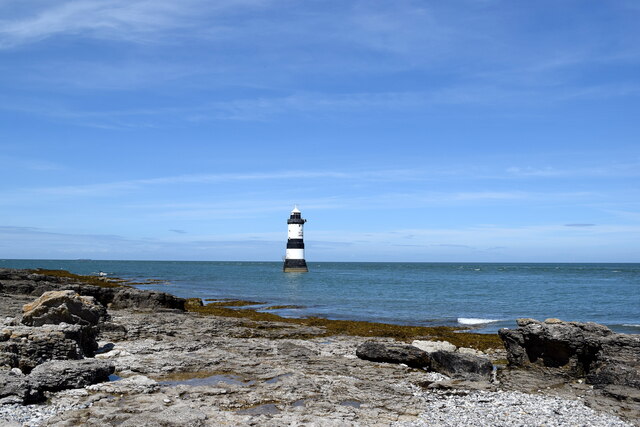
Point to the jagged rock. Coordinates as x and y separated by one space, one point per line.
15 388
63 374
56 307
393 353
617 362
24 282
577 350
461 365
570 345
145 300
26 347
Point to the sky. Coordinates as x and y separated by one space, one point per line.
405 130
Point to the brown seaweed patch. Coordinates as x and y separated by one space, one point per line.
184 376
358 328
282 307
230 302
150 282
103 282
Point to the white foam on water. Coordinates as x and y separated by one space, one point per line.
631 325
475 321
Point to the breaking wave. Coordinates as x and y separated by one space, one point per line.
475 321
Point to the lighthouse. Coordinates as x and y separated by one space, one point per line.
294 259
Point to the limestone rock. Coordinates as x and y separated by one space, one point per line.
617 362
23 282
15 388
63 374
461 365
431 346
130 385
294 350
26 347
56 307
393 353
576 349
145 300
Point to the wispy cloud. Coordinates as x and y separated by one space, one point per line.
130 20
109 188
620 169
32 164
579 225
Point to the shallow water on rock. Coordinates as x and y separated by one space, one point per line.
351 403
207 381
266 409
277 378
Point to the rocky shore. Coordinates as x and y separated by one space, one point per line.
90 353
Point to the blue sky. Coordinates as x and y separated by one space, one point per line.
474 130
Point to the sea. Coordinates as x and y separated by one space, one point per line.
481 296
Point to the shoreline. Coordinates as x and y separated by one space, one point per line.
199 368
344 288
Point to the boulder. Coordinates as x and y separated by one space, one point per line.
26 347
67 306
393 353
461 365
576 350
58 375
554 343
15 388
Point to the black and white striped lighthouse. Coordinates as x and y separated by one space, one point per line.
294 259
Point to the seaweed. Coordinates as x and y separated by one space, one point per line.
89 280
352 327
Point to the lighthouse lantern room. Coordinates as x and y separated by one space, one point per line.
294 258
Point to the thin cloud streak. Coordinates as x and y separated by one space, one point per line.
126 20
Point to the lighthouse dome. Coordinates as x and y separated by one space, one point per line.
295 209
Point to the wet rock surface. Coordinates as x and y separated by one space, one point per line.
177 368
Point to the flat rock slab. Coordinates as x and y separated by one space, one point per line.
461 365
394 353
64 374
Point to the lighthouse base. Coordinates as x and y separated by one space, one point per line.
295 266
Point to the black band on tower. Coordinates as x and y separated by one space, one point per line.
295 244
293 220
295 264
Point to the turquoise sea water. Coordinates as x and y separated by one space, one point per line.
487 296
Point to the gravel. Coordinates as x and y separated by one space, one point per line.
441 409
32 415
502 408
